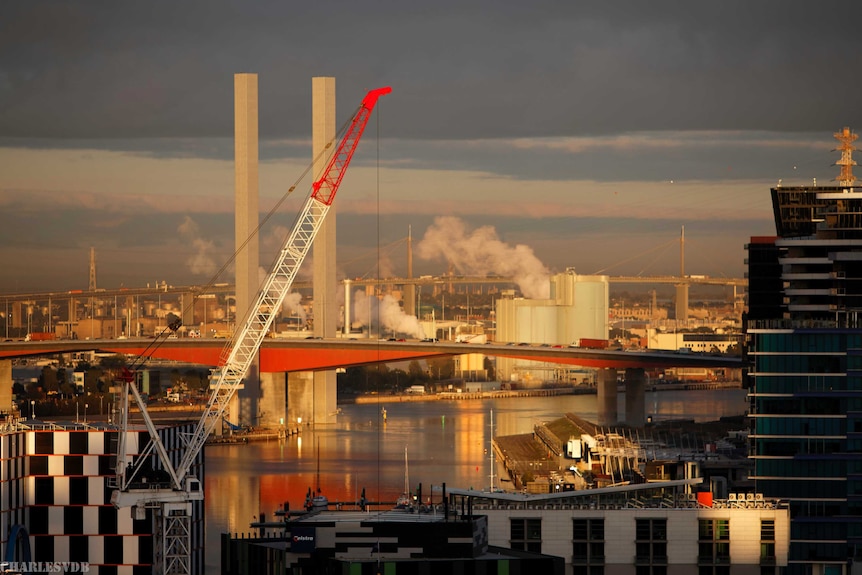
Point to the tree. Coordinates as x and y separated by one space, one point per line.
398 379
441 367
113 362
48 380
64 384
415 371
92 380
490 368
196 379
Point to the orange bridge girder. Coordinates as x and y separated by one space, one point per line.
286 355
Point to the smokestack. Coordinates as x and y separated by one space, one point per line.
409 298
347 307
410 252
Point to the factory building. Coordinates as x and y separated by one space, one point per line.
577 308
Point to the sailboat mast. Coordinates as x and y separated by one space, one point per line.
491 451
406 475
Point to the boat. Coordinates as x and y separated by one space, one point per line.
317 502
404 501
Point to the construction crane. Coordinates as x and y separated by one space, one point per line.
171 497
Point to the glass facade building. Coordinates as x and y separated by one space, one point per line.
806 438
804 350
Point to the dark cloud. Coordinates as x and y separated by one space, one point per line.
459 70
48 247
643 157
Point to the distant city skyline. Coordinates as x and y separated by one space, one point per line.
586 135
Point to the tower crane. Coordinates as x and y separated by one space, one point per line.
171 499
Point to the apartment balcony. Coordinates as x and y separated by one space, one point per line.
806 276
790 260
822 292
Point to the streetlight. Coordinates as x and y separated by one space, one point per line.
32 409
86 405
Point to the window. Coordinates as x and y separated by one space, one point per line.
73 465
38 465
525 534
767 542
43 443
588 544
73 520
44 488
78 490
713 543
651 546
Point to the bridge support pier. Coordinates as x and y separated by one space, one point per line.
310 399
635 406
606 383
273 400
300 397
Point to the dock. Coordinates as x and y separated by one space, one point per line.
484 394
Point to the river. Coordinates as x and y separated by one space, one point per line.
444 441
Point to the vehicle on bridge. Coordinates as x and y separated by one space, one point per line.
591 343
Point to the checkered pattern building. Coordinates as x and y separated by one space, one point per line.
54 482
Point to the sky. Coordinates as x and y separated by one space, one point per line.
562 134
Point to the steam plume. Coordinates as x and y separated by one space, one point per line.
385 315
293 304
201 263
481 252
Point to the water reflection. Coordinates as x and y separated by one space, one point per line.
446 442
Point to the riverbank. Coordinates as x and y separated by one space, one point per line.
461 395
532 392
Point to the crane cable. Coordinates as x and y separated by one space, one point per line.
160 338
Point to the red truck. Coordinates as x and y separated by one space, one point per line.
588 343
39 336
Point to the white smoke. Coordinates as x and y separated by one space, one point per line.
293 305
201 263
384 316
385 266
481 252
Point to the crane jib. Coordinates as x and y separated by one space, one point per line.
323 190
247 339
173 504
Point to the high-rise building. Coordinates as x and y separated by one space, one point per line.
804 346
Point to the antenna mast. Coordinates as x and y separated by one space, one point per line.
682 252
92 269
846 139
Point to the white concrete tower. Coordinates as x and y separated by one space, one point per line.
311 396
243 406
326 309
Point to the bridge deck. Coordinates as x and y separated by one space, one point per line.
286 355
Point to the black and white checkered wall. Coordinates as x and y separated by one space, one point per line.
54 482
